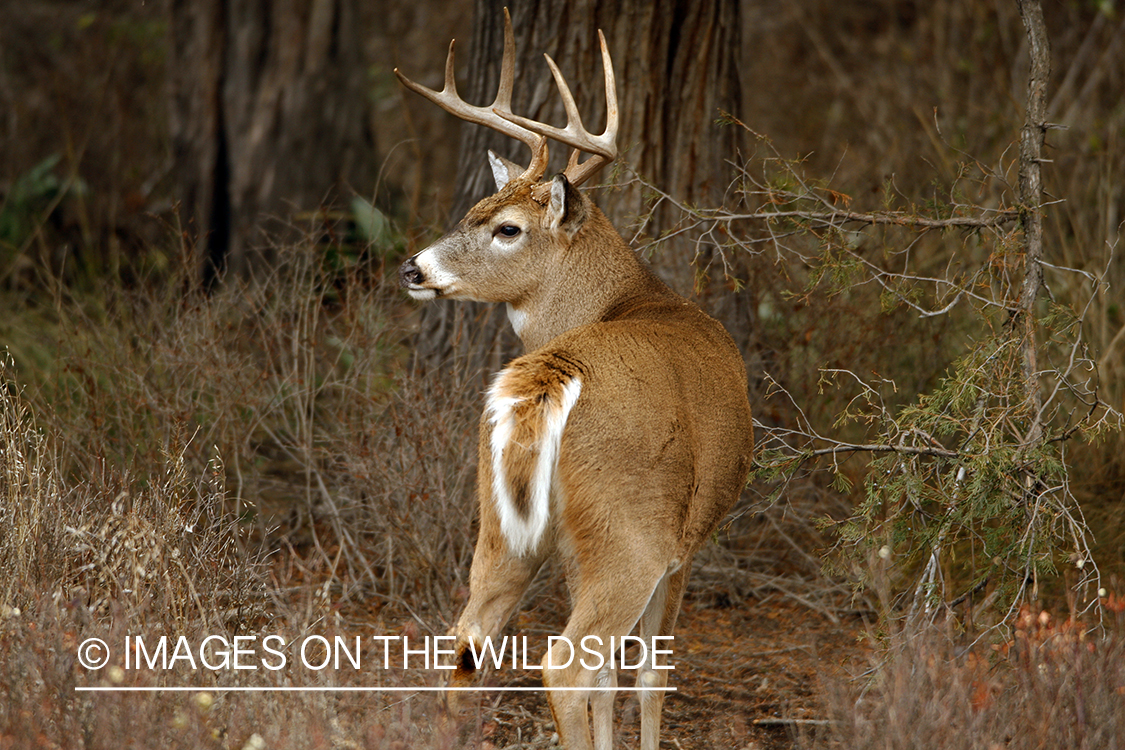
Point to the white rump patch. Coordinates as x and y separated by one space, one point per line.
524 534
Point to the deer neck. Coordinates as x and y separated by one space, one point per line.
596 275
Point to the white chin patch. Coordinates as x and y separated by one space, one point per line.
422 294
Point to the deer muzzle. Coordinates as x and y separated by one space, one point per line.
409 275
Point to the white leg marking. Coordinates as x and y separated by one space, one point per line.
523 535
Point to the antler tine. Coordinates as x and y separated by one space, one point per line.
573 117
507 68
450 77
447 97
603 148
491 117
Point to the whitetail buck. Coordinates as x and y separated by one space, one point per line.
618 442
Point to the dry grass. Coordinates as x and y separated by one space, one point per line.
286 392
39 677
1053 684
159 548
102 541
240 462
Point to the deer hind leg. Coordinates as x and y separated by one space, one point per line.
605 608
659 618
521 430
601 708
496 585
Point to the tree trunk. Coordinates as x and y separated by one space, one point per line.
676 68
267 117
1031 206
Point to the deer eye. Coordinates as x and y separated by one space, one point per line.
508 230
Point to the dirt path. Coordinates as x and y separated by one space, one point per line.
742 676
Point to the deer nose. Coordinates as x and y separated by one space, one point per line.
409 274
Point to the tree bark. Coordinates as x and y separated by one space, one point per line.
1032 137
267 117
676 69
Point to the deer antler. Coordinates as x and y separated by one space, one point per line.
603 148
499 116
490 117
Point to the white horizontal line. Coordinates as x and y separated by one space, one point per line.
284 689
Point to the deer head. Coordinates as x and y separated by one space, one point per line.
499 250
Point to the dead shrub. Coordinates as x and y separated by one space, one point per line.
1054 683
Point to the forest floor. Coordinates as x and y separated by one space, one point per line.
749 677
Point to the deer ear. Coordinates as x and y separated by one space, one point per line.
503 170
566 210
